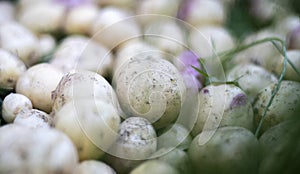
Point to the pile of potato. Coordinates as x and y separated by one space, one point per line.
111 86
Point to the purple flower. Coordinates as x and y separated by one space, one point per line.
72 3
187 59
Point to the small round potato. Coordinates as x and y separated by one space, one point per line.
13 104
91 124
35 151
251 78
33 118
37 83
223 105
150 87
285 105
136 142
229 150
93 167
154 166
11 67
290 74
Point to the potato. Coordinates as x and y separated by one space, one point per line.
175 135
46 45
35 151
107 25
37 83
44 16
82 53
203 12
83 85
7 11
33 118
251 78
280 148
91 124
93 166
223 105
13 104
20 41
150 87
134 133
293 38
154 166
227 150
175 157
285 105
294 57
11 67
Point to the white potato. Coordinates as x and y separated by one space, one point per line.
285 105
83 85
251 78
37 83
93 167
107 25
82 53
294 57
79 19
46 44
91 124
154 166
136 142
7 11
229 150
11 67
33 118
151 87
20 41
35 151
13 104
223 105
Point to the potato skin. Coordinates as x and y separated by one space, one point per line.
150 87
230 150
93 167
285 105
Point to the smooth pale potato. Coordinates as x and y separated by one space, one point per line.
92 125
223 105
93 167
13 104
154 166
37 83
34 118
35 151
227 150
290 74
11 68
285 105
150 87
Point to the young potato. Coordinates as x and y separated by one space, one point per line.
93 167
177 158
107 25
33 118
285 105
35 151
136 142
286 24
223 105
79 19
82 53
83 85
229 150
294 57
154 166
251 78
167 36
46 44
20 41
11 67
92 125
203 12
175 135
293 38
151 87
151 10
13 104
7 11
280 148
37 83
43 16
